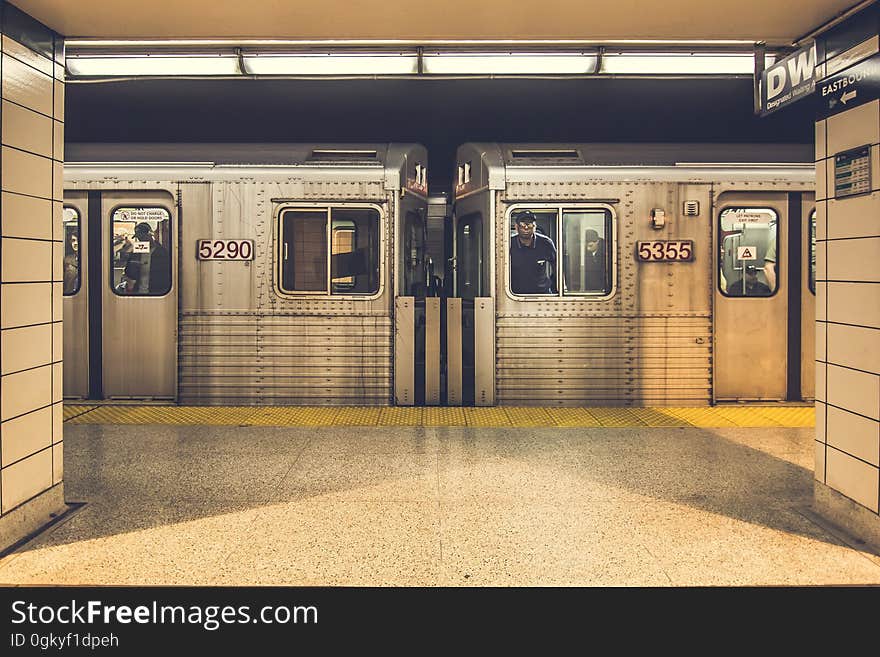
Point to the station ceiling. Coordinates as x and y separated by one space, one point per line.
777 22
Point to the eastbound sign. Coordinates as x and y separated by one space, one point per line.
788 80
850 88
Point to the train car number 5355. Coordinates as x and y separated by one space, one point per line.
225 249
665 251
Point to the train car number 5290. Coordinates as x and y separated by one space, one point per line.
665 250
225 249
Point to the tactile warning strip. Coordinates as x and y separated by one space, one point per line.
72 410
359 416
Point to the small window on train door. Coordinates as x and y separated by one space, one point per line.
813 252
328 250
140 257
71 262
747 262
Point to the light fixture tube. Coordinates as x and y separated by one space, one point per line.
331 64
509 64
679 63
146 65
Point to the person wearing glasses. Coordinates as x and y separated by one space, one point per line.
532 258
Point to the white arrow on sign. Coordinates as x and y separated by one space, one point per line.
849 95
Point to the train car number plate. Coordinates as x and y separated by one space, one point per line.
665 251
225 249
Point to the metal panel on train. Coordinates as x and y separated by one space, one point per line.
246 334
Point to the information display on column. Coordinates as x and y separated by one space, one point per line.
852 172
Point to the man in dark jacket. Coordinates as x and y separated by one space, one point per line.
155 264
754 287
594 261
532 259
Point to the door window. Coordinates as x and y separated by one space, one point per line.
141 251
72 251
748 263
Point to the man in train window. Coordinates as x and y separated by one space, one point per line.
532 258
754 287
155 264
594 261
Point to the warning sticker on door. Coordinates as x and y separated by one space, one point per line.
746 253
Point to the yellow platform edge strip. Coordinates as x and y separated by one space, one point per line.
499 416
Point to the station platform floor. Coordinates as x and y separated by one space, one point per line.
395 497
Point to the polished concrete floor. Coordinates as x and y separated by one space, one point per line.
426 506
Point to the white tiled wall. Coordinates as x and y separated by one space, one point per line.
31 156
848 314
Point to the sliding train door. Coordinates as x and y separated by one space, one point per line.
764 299
808 296
120 304
75 302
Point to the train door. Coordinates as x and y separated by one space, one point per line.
470 316
808 296
122 335
762 336
75 303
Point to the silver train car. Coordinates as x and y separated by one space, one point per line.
642 274
234 274
557 275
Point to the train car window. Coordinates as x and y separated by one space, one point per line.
71 262
533 251
141 251
748 246
354 259
329 250
586 252
343 237
304 250
469 256
813 252
414 254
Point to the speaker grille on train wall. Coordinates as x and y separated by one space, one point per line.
691 208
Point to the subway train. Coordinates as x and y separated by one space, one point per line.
549 274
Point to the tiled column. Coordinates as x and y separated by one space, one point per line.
847 444
31 253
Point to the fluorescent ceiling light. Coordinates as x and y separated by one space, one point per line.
123 65
431 43
331 64
509 64
680 63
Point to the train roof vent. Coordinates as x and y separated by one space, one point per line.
545 154
342 155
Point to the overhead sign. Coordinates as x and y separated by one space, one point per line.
852 56
788 80
850 88
746 253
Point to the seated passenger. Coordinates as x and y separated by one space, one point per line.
532 259
594 262
754 287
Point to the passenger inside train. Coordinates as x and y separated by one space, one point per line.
71 259
748 252
753 287
594 261
532 258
